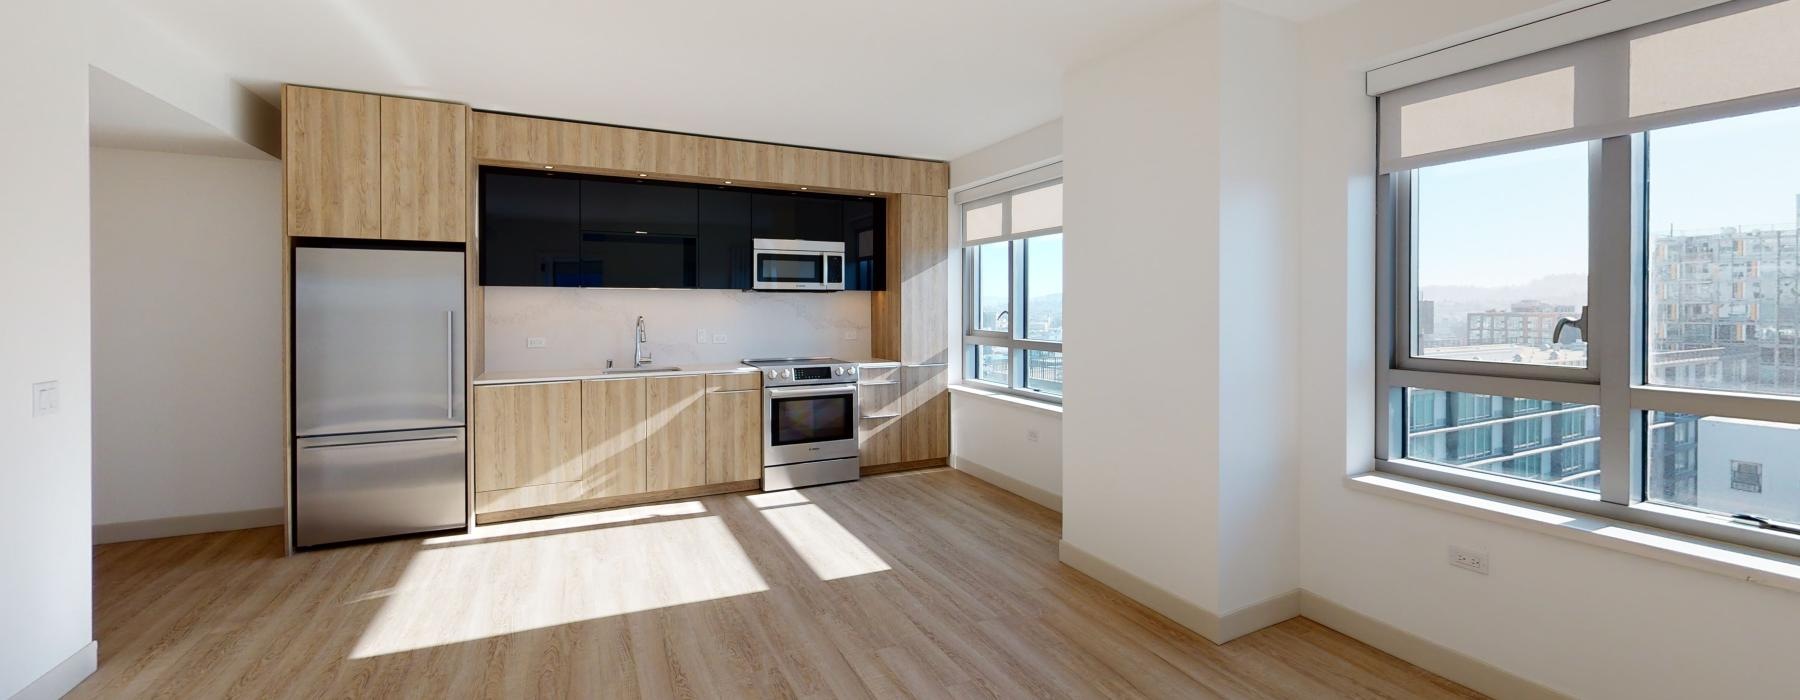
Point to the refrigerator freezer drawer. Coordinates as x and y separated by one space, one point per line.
353 487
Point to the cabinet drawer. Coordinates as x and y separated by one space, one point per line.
734 381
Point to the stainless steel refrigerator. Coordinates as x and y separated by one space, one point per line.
378 393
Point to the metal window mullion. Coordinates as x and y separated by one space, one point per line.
1614 321
1515 387
1016 302
1390 410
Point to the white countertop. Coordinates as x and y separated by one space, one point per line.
572 375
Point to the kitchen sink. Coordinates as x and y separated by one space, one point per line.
640 370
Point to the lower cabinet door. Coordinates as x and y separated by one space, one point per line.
733 436
925 431
613 433
675 443
527 435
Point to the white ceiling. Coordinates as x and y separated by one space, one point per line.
921 78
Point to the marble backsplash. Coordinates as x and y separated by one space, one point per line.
583 328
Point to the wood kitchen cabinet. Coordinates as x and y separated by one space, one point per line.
909 316
734 435
424 170
527 435
331 152
614 431
367 166
675 446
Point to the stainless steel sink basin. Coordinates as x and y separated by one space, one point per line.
640 370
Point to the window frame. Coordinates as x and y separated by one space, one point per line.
1615 379
1013 338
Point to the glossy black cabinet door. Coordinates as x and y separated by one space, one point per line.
637 260
864 228
613 206
530 229
724 240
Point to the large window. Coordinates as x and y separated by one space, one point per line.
1602 312
1012 285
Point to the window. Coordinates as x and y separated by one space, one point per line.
1602 313
1012 283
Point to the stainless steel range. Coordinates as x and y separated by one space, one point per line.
809 421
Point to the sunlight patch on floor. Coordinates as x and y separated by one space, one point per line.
606 565
572 522
829 549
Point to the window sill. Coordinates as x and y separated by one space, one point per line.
1743 563
1034 404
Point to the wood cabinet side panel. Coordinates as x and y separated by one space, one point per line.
924 280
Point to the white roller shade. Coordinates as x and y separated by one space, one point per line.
1733 58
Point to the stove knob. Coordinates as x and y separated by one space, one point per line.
787 374
851 371
774 375
840 371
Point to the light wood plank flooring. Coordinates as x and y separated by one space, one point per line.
925 584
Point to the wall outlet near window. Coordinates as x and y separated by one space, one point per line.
850 334
1031 435
1469 559
719 337
536 342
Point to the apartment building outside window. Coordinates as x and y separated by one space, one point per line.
1591 266
1012 283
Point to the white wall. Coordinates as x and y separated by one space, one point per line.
45 582
186 336
1583 620
989 437
583 328
1141 207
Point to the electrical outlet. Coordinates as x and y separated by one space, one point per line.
850 334
719 337
1469 559
702 337
46 398
1031 435
536 342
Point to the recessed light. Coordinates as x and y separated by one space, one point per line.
727 182
642 175
871 194
803 188
549 167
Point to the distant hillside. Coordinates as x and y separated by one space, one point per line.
1551 289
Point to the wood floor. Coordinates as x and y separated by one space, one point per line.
926 584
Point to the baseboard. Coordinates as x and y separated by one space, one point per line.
187 525
1419 651
62 678
989 474
1219 629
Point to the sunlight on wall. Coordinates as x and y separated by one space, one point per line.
519 576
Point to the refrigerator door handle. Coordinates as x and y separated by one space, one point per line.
378 443
450 364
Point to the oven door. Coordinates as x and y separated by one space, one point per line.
808 423
796 270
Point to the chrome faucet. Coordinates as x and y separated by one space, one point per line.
639 357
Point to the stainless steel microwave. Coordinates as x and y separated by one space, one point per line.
794 265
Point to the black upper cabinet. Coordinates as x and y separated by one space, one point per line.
724 245
530 228
615 206
568 230
864 232
802 216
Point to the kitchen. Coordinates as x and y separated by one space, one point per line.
567 265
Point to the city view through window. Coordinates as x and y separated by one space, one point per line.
1014 288
1501 255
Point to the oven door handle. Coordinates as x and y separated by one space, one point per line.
811 390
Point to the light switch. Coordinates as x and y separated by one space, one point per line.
46 398
536 342
719 337
701 337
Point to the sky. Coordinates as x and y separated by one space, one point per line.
1509 219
